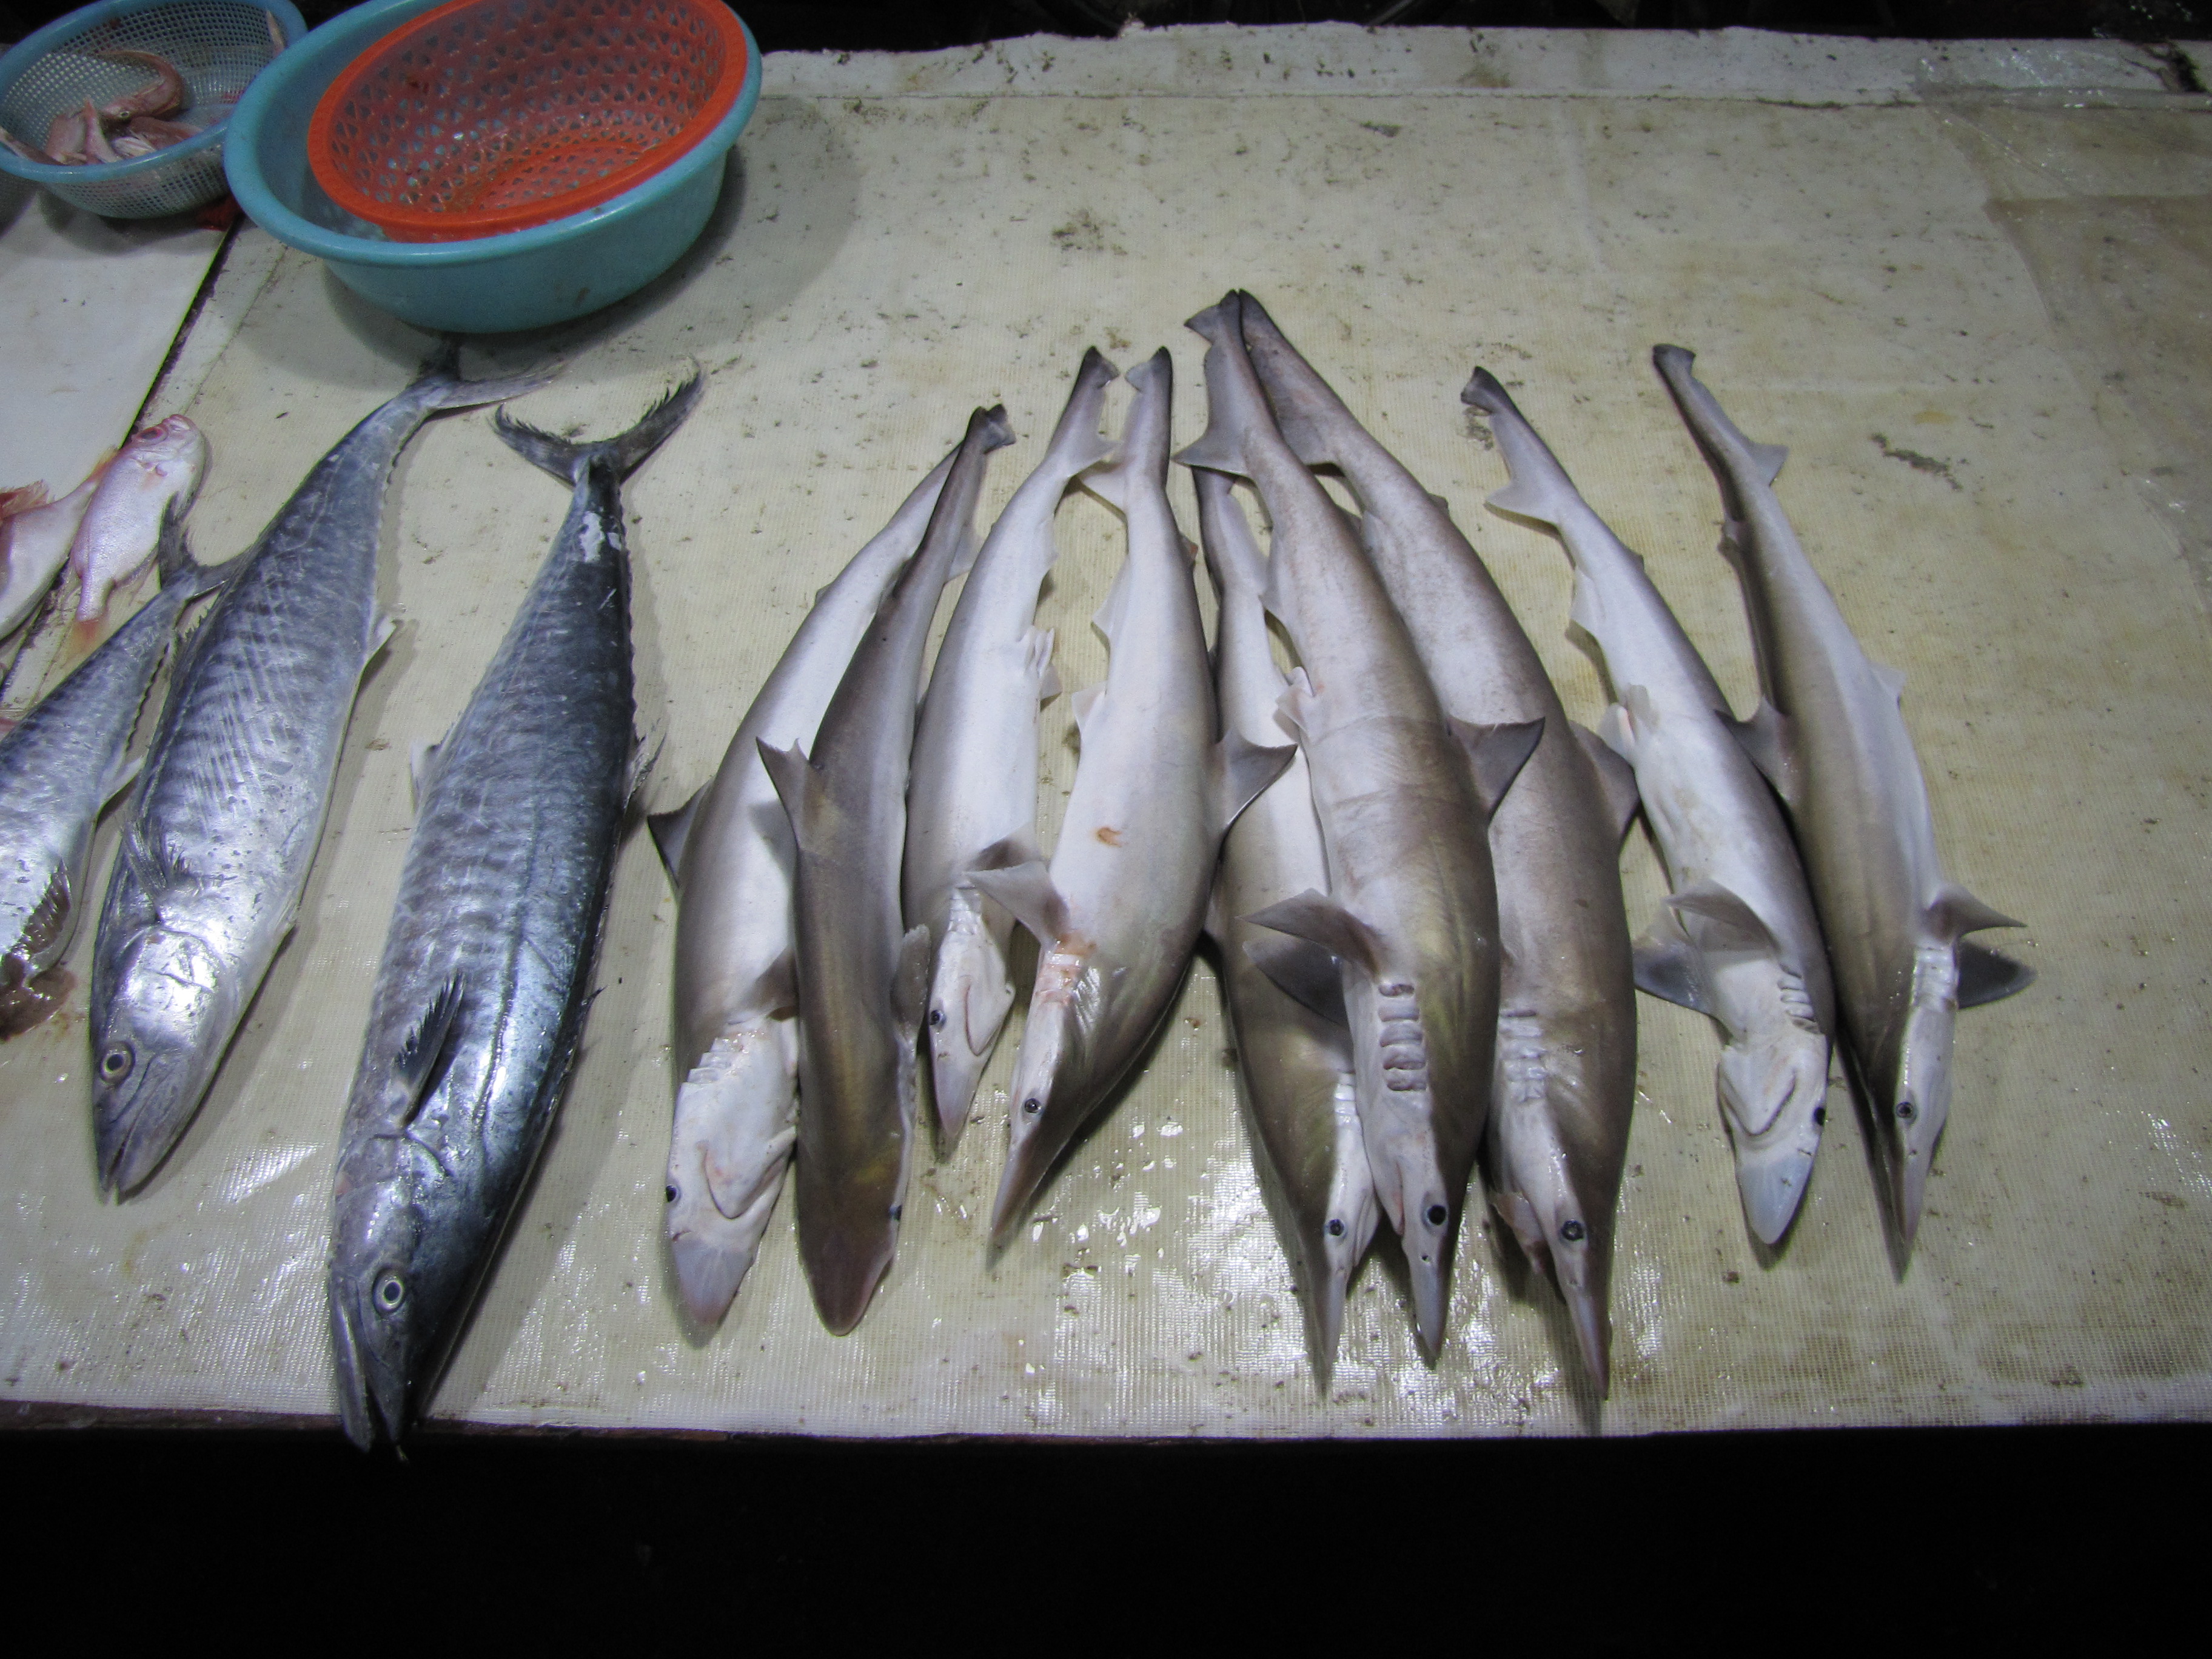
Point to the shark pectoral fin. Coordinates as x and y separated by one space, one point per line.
1986 976
910 983
418 1054
1322 921
1027 892
1107 619
1667 966
1037 663
1768 459
1765 738
1954 912
1719 923
1527 498
1518 1214
1216 451
671 830
1019 848
1084 702
1302 971
1241 770
1497 754
1616 780
797 783
777 989
1891 680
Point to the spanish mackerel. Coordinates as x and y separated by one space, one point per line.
1117 913
863 975
1738 940
1830 735
58 768
486 975
975 756
1411 914
1567 1024
1295 1064
223 829
729 854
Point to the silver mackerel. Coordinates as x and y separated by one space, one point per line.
486 975
223 831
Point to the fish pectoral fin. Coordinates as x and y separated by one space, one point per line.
1037 663
421 766
777 989
1667 966
798 785
1767 458
1216 451
1316 917
1528 498
1954 912
910 982
643 759
1302 971
671 830
1616 780
1027 892
1241 770
1497 753
1891 680
1987 976
1518 1214
1765 738
1084 703
417 1058
1719 923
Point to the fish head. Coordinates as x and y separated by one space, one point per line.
1532 1193
969 1000
1773 1088
734 1136
388 1293
1913 1112
174 449
1349 1226
156 1042
1052 1090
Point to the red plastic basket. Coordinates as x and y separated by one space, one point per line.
486 116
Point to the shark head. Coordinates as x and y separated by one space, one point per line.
1911 1114
732 1138
969 1002
1054 1090
1773 1088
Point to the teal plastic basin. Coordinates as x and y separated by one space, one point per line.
495 284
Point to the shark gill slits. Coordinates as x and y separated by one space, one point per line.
1572 1231
1439 1215
1335 1228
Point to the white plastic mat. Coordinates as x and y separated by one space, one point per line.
902 244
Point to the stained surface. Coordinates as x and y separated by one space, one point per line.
1855 288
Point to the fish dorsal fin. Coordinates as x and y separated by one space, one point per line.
1986 976
1891 680
1107 619
1767 458
1026 891
1586 610
1616 780
1241 770
1719 923
1085 704
1954 912
1667 966
671 830
910 984
1765 738
1320 919
1497 754
1037 663
1302 971
798 785
417 1058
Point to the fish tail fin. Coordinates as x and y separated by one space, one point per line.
624 452
1143 453
1703 413
1539 489
440 385
22 499
1233 399
1078 445
1308 412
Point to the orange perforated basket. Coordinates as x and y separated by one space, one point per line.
486 116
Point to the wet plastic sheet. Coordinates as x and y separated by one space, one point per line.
906 237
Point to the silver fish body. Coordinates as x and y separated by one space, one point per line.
1566 1029
1117 912
1295 1063
729 850
863 975
1411 911
1739 940
224 826
485 977
1830 735
974 793
58 768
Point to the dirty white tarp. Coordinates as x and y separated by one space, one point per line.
1888 259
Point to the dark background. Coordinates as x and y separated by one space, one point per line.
1775 1544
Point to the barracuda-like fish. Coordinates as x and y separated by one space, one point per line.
1566 1024
1411 913
162 464
863 975
1295 1064
486 975
729 852
223 829
975 756
58 768
35 535
1119 910
1830 735
1738 940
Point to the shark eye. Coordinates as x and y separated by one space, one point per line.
391 1290
1819 1115
1033 1106
115 1063
1572 1231
1335 1228
937 1019
1904 1111
1439 1215
671 1195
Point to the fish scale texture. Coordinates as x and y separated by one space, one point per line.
910 244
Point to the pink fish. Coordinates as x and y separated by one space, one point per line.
66 139
121 527
35 535
165 94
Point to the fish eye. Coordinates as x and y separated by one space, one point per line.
1819 1115
115 1065
937 1019
1335 1228
671 1195
1572 1231
1904 1111
1439 1215
391 1290
1033 1106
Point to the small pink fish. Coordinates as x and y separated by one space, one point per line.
96 147
35 535
66 139
165 94
156 132
29 152
122 526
